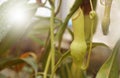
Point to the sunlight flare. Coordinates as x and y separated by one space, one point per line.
17 15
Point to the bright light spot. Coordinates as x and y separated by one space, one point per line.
32 1
17 15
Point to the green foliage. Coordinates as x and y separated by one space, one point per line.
110 68
55 61
7 62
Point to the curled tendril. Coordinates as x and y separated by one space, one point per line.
58 9
92 14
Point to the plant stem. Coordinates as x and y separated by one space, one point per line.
51 56
47 65
52 35
58 9
91 5
68 71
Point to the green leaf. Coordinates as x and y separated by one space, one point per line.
95 44
110 68
11 32
7 62
32 63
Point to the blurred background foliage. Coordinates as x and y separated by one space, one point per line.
38 46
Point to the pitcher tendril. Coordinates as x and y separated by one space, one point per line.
92 17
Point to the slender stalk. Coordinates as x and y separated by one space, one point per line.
91 5
47 66
68 71
51 56
52 35
58 9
